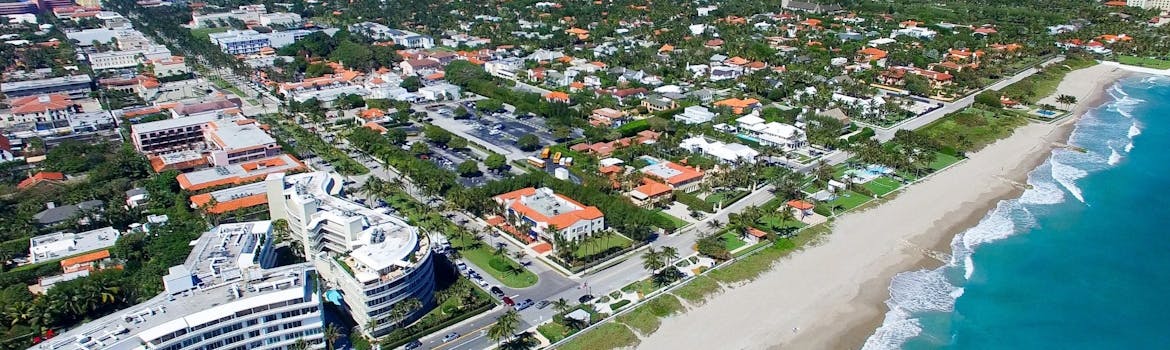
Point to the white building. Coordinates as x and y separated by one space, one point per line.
65 244
226 295
551 214
774 134
695 115
915 32
373 258
1149 4
405 38
724 152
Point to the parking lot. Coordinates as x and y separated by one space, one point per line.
450 160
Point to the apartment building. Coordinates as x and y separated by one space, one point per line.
226 295
409 39
76 86
373 258
39 109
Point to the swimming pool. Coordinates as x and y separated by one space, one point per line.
649 160
749 138
1045 112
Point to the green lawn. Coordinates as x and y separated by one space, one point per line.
598 244
645 318
849 200
882 185
727 196
732 241
678 223
554 331
503 268
942 160
698 289
970 130
1144 62
206 32
604 337
645 286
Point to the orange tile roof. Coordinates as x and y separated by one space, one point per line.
800 205
373 113
435 76
652 188
755 232
159 165
737 61
200 200
873 53
560 221
666 48
40 177
557 96
375 127
85 258
577 31
35 104
686 173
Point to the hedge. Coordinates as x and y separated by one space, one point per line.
693 202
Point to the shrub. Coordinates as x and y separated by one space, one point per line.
619 305
693 202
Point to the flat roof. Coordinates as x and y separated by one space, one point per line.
63 244
222 289
238 173
167 124
231 136
388 239
31 84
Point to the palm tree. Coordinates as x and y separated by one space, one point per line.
669 254
561 305
332 333
505 326
404 308
652 260
1066 100
371 325
300 344
281 230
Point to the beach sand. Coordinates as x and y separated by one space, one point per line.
831 295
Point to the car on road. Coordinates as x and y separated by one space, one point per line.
542 304
481 282
585 298
412 345
450 337
461 265
523 304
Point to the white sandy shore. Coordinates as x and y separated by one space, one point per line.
834 292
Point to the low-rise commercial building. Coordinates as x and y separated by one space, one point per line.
76 86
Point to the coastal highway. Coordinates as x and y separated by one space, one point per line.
886 134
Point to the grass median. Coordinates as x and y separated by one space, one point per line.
503 268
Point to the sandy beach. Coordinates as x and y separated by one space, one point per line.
831 295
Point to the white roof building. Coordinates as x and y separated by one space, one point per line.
695 115
771 133
725 152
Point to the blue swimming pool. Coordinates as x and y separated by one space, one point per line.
1045 112
749 138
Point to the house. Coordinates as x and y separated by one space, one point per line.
88 262
44 177
557 96
606 117
739 106
678 177
754 235
730 153
657 103
774 134
694 115
871 54
550 215
896 76
420 67
136 197
649 193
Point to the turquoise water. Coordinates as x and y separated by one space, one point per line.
1078 262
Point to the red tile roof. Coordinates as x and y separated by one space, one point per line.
40 177
41 103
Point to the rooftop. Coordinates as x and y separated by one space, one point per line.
544 205
217 263
61 244
236 134
30 84
387 240
238 173
672 173
167 124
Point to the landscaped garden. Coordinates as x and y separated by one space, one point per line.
732 241
503 268
601 244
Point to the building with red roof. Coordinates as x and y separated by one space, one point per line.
649 193
87 262
551 214
41 177
678 177
39 109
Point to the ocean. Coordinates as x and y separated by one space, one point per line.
1080 261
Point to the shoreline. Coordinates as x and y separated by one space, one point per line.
833 295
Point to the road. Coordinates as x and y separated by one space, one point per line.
886 134
599 283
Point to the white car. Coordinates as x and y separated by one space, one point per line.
450 337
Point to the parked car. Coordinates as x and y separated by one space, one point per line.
542 304
461 265
413 345
481 282
497 292
508 301
523 304
585 298
450 337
